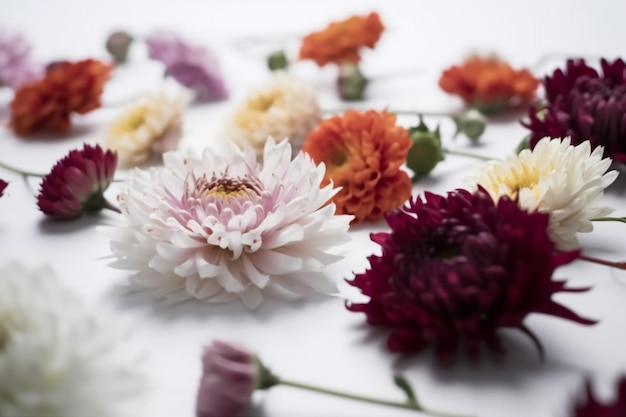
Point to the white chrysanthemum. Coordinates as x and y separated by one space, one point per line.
287 108
57 358
150 126
555 177
220 228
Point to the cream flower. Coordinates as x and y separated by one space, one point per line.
57 358
223 227
287 108
566 181
151 126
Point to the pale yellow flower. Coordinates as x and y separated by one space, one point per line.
147 128
287 108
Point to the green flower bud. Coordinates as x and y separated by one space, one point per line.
426 151
471 123
118 44
277 61
351 82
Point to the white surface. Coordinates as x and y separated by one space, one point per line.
318 340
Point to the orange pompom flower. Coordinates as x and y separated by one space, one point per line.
489 84
340 41
67 87
363 153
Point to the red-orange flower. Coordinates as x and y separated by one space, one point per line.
68 87
489 84
363 153
340 41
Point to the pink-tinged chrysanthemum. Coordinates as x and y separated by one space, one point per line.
3 186
16 65
457 268
77 183
589 406
223 227
586 106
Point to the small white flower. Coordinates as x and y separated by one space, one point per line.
220 228
286 108
148 127
57 358
555 177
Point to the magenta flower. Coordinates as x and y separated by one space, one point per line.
585 105
3 186
16 65
77 183
590 406
192 66
230 374
458 268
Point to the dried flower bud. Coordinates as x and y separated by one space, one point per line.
277 61
471 123
426 151
351 82
117 45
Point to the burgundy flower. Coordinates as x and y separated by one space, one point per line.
3 185
590 407
77 183
192 66
585 105
459 267
229 377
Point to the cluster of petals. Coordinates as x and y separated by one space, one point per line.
585 106
588 405
58 357
68 87
192 66
489 84
457 268
16 65
3 186
555 177
147 128
285 108
77 183
342 41
221 227
364 153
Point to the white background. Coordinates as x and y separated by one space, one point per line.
318 340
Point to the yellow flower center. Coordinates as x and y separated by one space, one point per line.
132 121
227 187
263 102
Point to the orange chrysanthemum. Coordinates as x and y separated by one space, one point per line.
68 87
340 41
489 84
363 153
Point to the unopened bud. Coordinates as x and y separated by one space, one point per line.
426 151
277 61
471 123
351 82
118 44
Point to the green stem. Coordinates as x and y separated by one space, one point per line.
611 264
406 405
468 155
19 171
609 219
110 206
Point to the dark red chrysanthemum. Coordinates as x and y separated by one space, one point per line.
459 267
584 105
590 407
3 185
77 183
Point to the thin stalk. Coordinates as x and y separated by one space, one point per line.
611 264
468 155
406 405
111 206
19 171
609 219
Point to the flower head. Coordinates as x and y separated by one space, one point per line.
3 186
192 66
590 406
16 65
77 183
557 178
341 41
584 105
230 374
70 87
223 227
363 153
149 127
286 108
489 84
117 44
57 357
458 268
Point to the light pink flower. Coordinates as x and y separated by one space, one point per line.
16 65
